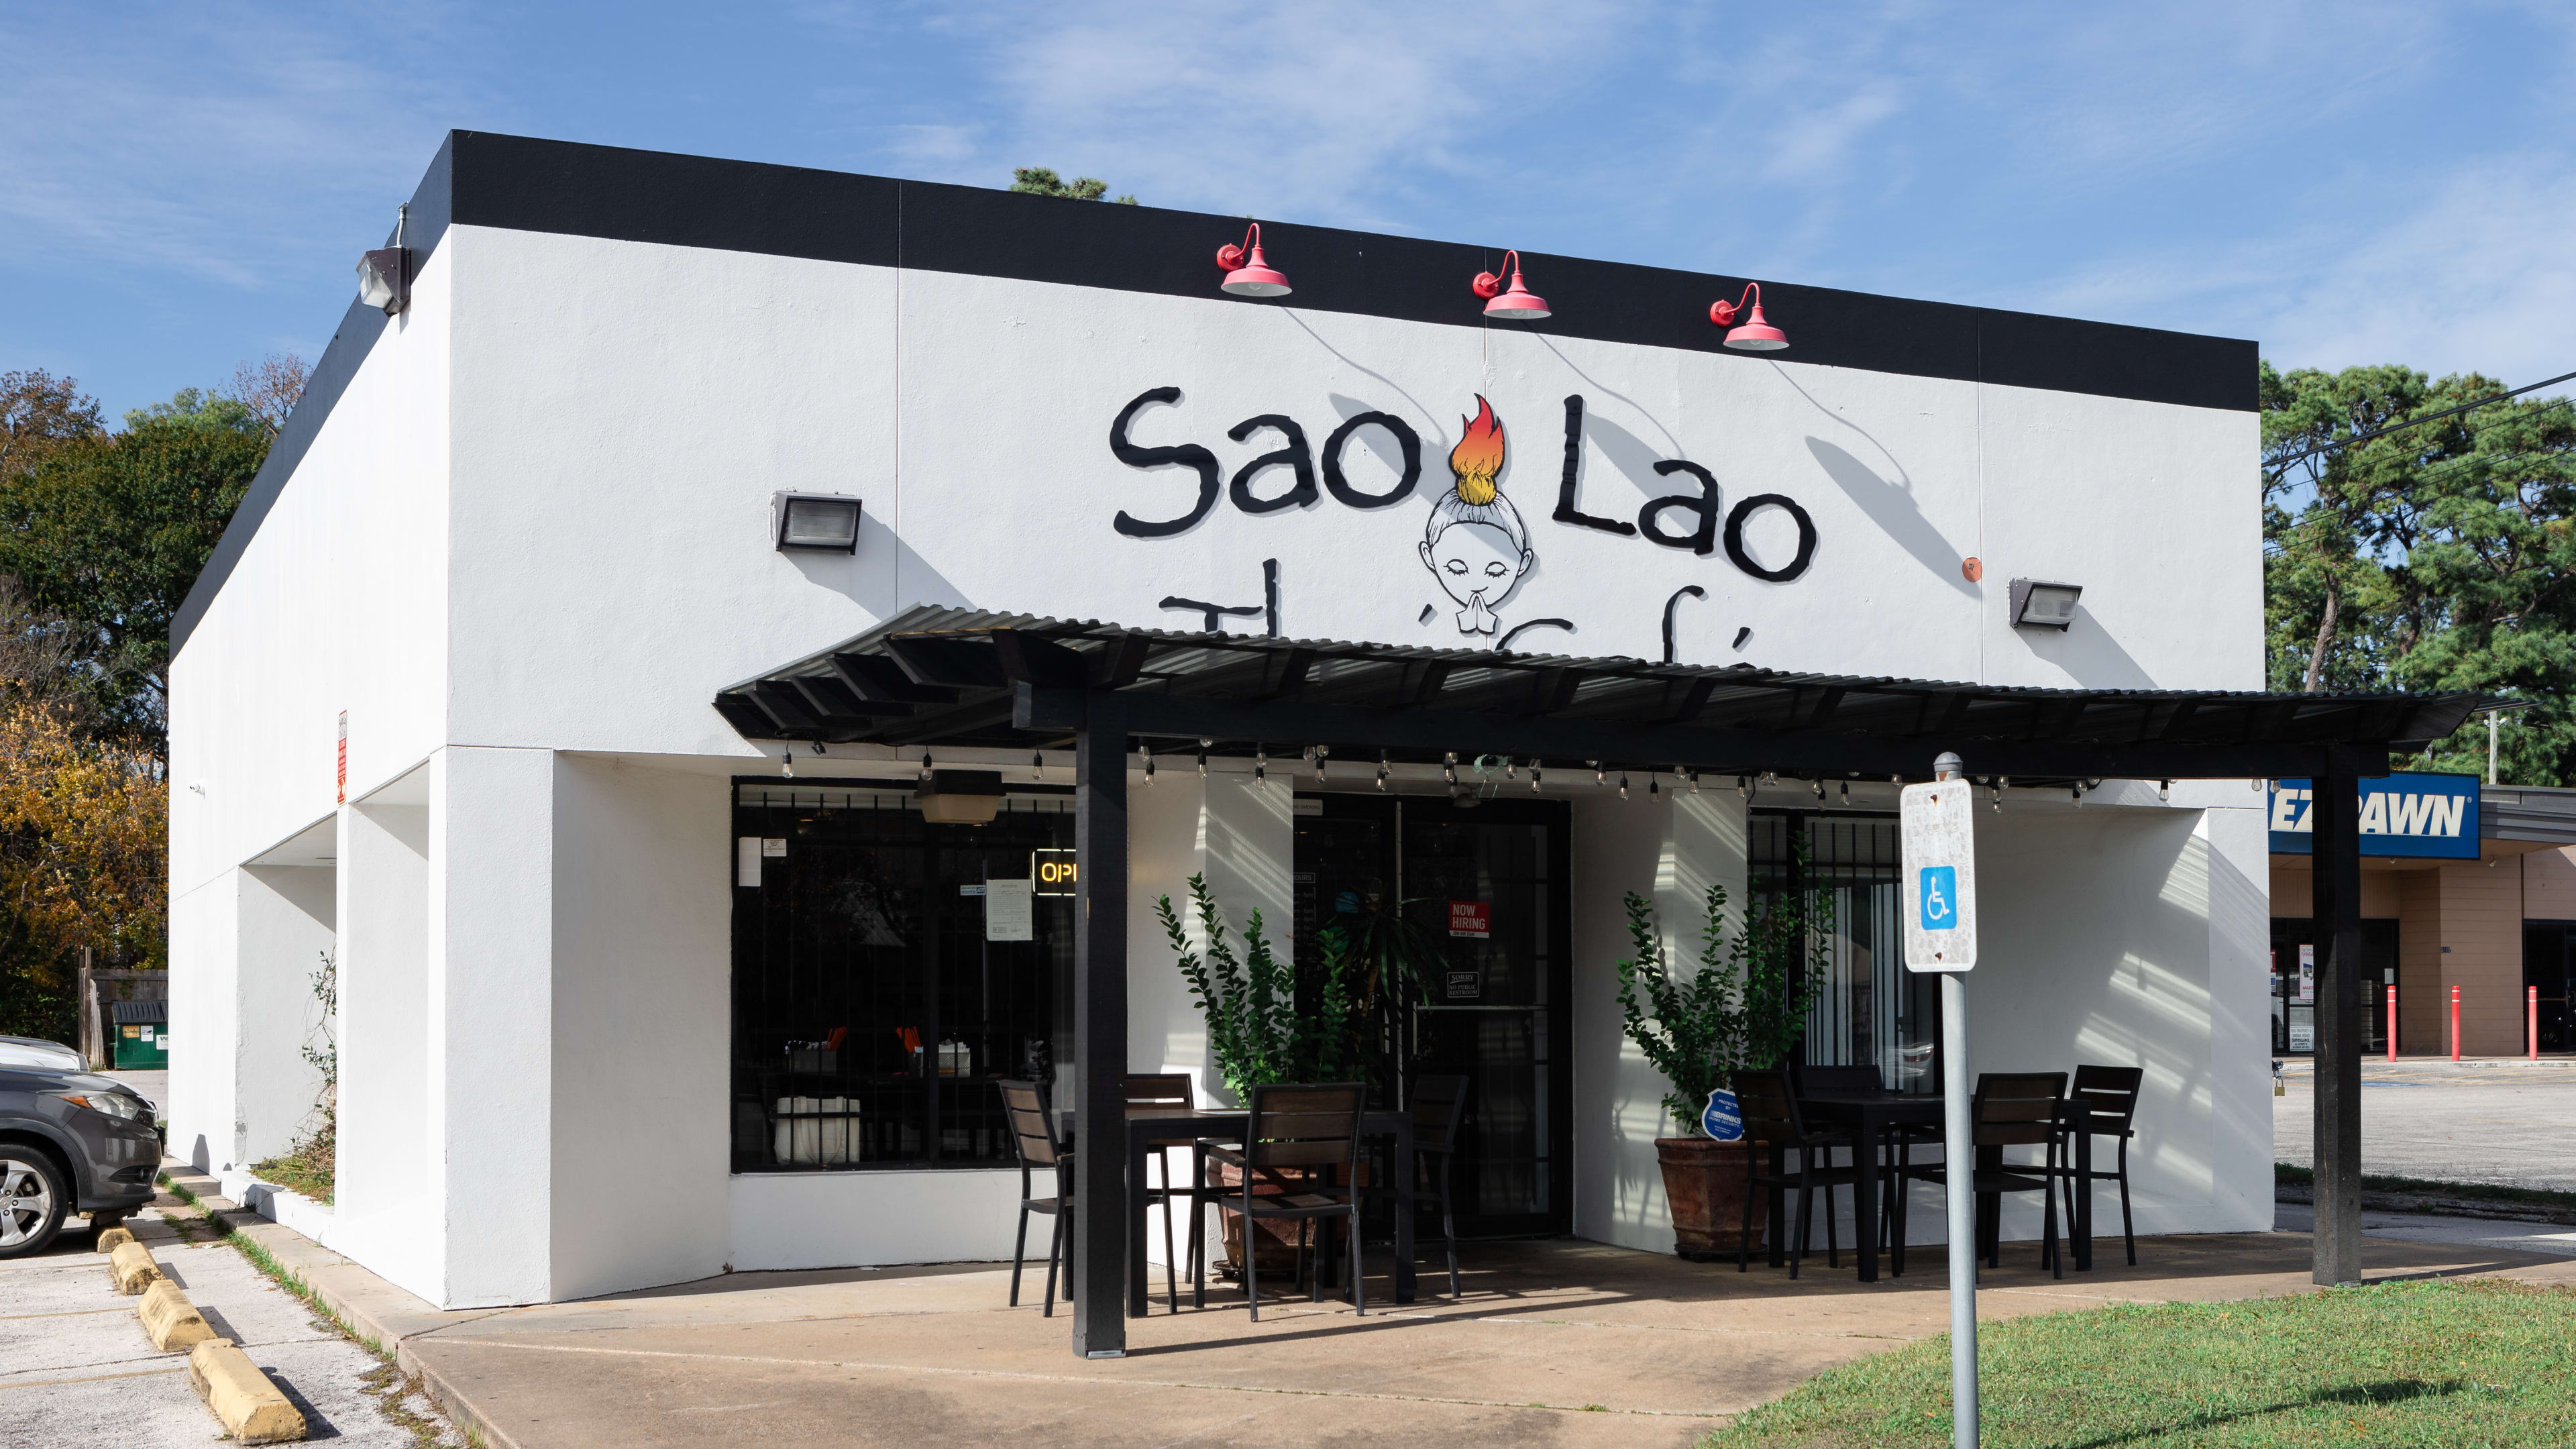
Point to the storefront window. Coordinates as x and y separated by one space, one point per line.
1869 1010
887 972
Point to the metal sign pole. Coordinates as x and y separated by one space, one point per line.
1959 1152
1938 828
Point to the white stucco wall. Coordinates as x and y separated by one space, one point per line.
536 523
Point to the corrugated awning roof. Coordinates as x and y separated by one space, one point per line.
969 677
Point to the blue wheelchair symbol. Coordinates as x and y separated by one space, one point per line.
1720 1119
1940 897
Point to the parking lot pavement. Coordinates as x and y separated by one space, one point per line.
2512 1123
2485 1234
77 1369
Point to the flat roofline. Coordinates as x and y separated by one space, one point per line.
482 178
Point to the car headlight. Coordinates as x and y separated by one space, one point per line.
112 1103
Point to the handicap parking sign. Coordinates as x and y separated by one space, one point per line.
1940 897
1720 1119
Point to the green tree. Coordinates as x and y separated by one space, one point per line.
2439 556
1039 181
110 531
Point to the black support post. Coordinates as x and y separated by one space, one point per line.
2337 906
1099 1249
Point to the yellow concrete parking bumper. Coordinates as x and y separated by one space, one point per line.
248 1405
132 1266
173 1322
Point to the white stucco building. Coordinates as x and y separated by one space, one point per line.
520 534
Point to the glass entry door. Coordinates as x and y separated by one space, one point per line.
1486 886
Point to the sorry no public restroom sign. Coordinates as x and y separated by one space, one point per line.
1939 844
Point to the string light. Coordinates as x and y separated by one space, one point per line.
1744 786
2164 789
1534 774
1651 791
1037 763
1381 769
1598 777
1846 792
925 767
1148 752
1320 752
1996 786
1623 784
2077 790
1203 749
1694 780
1819 784
787 762
1511 771
1449 767
1260 765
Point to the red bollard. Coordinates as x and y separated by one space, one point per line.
2392 1021
2455 1023
2531 1019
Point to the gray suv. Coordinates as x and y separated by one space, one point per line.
69 1142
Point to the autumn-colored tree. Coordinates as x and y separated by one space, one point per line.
83 822
39 413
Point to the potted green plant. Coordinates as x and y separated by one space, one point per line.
1745 1007
1268 1020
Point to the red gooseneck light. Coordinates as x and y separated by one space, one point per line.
1247 272
1755 335
1519 303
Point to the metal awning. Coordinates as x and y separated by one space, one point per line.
974 678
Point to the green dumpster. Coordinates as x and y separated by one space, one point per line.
142 1038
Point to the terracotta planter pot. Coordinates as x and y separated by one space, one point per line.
1704 1184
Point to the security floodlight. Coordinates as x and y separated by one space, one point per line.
2037 605
384 275
823 522
960 797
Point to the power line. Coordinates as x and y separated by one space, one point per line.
2417 422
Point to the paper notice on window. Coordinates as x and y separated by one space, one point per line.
1010 912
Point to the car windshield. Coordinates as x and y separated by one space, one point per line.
39 1056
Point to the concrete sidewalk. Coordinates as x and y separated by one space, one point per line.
1555 1343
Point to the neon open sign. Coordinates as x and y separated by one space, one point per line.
1051 868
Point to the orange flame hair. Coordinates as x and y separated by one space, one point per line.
1478 458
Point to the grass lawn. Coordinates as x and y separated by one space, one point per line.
2448 1363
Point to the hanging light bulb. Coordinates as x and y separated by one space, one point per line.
1260 764
2164 789
1846 792
1623 784
1320 752
1203 749
1598 776
1511 771
2077 790
1770 777
1694 779
1533 774
1381 769
1819 784
1148 752
1996 787
1651 791
1037 763
787 762
1449 767
1744 786
925 765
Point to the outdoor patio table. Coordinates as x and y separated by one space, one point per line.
1163 1124
1871 1114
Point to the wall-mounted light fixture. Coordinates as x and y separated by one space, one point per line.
822 522
960 797
1247 272
1514 304
384 275
1755 335
2038 605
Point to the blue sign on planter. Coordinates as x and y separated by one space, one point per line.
2403 815
1720 1119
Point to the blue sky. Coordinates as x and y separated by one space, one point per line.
182 187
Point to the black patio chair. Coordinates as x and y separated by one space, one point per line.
2010 1109
1033 1133
1439 1109
1173 1091
1305 1142
2104 1102
1772 1119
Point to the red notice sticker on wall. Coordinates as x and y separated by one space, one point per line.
1471 918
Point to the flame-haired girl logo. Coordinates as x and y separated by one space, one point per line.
1475 543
